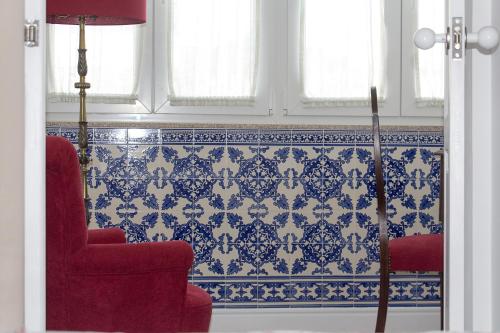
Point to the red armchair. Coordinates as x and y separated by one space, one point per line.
97 282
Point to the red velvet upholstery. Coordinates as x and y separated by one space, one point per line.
96 282
198 305
422 253
106 236
103 12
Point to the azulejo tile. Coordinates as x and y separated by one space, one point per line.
431 139
364 138
241 293
306 291
337 291
273 292
242 137
210 137
70 133
53 131
402 162
276 218
307 137
110 136
215 288
174 136
275 137
138 136
403 138
339 137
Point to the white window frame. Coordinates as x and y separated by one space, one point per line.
262 100
408 52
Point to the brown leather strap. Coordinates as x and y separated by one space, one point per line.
382 218
440 153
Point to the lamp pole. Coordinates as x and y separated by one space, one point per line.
83 142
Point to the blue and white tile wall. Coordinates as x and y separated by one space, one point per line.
276 218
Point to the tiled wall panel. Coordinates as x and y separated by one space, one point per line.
276 218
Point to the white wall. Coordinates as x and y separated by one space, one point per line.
496 175
11 165
483 192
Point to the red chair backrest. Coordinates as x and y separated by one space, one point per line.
66 229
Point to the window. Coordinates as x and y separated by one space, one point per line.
429 64
212 52
343 51
422 71
284 60
113 59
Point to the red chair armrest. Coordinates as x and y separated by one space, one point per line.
98 259
106 236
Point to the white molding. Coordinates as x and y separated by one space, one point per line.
243 119
34 170
480 160
495 183
323 319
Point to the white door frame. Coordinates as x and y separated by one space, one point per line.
35 186
34 174
479 206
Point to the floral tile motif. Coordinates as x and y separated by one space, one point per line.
215 137
276 218
339 138
177 136
109 135
143 136
53 131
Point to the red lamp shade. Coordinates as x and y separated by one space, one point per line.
98 12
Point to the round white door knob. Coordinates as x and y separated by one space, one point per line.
487 38
425 38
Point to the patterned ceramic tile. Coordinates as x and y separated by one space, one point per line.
242 137
275 137
340 138
307 137
53 131
177 136
276 218
216 137
110 135
143 136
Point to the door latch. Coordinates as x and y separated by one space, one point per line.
457 43
31 31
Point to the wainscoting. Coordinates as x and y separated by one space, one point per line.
278 218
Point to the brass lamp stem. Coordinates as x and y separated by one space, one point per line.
83 132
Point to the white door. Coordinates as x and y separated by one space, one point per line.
467 220
34 172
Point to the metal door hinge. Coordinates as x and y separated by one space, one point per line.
31 29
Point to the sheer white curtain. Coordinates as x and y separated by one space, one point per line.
113 57
429 64
212 51
343 51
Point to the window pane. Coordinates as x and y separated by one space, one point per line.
429 66
343 47
113 55
213 51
